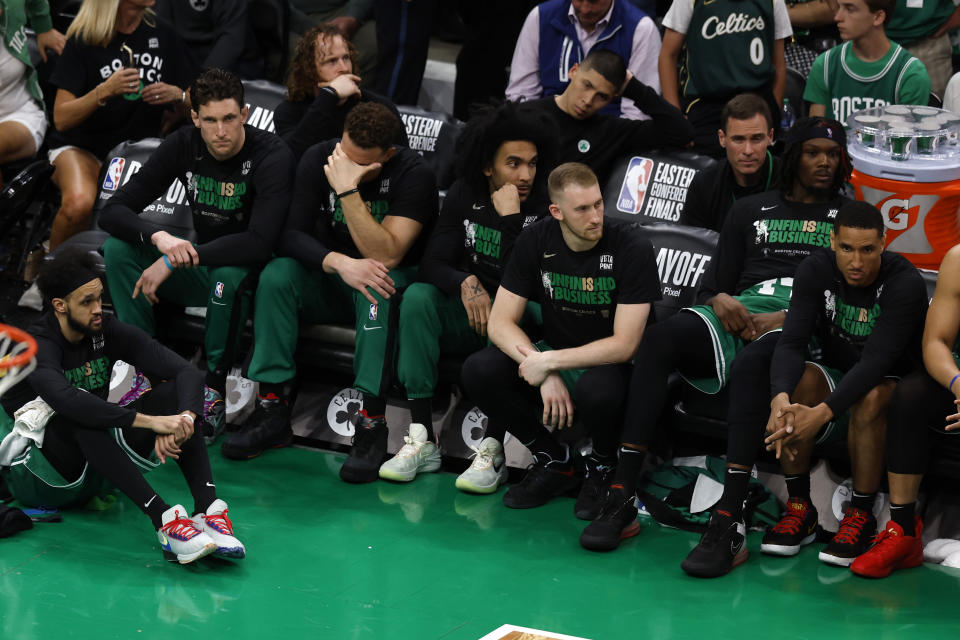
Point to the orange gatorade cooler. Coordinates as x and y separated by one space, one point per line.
906 162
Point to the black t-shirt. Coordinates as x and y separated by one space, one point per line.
764 237
472 238
714 191
869 332
239 205
160 55
305 123
579 291
405 187
602 139
74 379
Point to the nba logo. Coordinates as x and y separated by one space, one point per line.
373 312
634 187
112 180
218 290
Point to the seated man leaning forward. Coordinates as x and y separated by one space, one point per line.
497 194
89 443
238 181
866 307
361 212
595 282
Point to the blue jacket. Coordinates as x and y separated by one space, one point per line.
560 48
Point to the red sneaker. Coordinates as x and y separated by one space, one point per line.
891 550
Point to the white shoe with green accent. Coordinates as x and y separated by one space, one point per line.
418 455
180 538
218 526
487 471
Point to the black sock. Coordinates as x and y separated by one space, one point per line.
629 467
863 501
798 486
904 515
274 392
601 459
421 411
155 511
735 482
374 406
195 466
547 449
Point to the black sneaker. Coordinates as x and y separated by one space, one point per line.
595 483
722 547
797 527
852 539
616 521
268 427
543 482
368 451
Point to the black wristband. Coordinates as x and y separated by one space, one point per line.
348 192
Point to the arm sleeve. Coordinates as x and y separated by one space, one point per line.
38 13
231 17
667 127
916 84
271 184
679 15
444 253
816 91
120 217
643 64
789 357
781 21
50 383
525 68
362 10
640 280
316 125
160 363
724 271
522 275
902 304
309 201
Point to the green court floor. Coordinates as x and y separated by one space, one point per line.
423 561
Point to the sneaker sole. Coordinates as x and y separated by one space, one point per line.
468 487
430 466
698 572
247 455
787 550
605 544
906 563
187 558
837 561
230 553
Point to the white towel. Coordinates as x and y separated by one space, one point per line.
30 422
938 550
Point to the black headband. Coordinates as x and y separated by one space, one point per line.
77 278
808 133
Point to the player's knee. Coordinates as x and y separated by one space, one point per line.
76 205
418 301
867 413
811 389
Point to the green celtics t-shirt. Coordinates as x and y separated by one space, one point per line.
844 83
579 291
914 20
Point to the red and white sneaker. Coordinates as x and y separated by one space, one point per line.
891 550
217 525
180 538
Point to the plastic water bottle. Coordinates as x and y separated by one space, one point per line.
787 116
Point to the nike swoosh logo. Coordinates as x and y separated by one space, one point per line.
477 207
768 208
210 484
147 503
548 255
222 304
735 548
366 328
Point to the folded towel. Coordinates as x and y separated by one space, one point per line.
30 422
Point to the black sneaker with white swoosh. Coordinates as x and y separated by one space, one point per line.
722 547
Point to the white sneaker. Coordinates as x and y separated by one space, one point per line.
418 455
217 525
180 538
487 471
